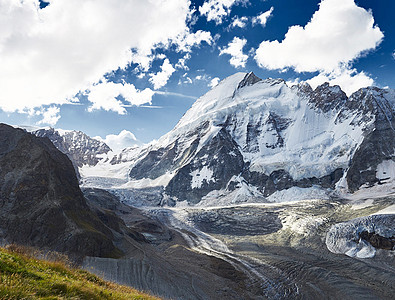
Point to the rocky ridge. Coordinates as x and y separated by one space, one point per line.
79 147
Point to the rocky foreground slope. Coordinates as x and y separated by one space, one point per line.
41 203
23 276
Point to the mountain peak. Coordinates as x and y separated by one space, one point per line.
327 97
249 79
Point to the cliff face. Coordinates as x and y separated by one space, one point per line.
41 203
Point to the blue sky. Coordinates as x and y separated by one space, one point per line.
105 66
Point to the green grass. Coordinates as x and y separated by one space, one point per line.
22 276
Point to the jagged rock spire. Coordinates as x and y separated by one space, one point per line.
249 79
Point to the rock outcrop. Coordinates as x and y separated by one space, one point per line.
41 203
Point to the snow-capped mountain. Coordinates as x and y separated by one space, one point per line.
79 147
251 137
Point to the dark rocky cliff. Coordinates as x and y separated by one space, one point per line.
41 203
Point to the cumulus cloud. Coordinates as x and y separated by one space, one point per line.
182 62
239 22
120 141
235 50
50 115
336 34
186 42
263 17
106 96
217 10
160 79
393 54
49 55
214 82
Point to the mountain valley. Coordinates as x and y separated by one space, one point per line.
261 191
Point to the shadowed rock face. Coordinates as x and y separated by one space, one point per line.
378 241
249 79
221 157
280 179
379 142
41 203
327 98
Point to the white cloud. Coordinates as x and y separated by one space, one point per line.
239 22
216 10
336 34
104 96
187 80
182 62
50 115
235 50
143 61
211 82
160 56
160 79
174 94
348 79
214 82
184 42
48 55
189 40
263 17
120 141
393 54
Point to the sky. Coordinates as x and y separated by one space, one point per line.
127 70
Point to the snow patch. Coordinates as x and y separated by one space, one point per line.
198 176
302 225
343 238
377 191
386 171
297 194
149 183
361 204
362 249
118 171
244 193
390 210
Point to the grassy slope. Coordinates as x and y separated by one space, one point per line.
24 277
